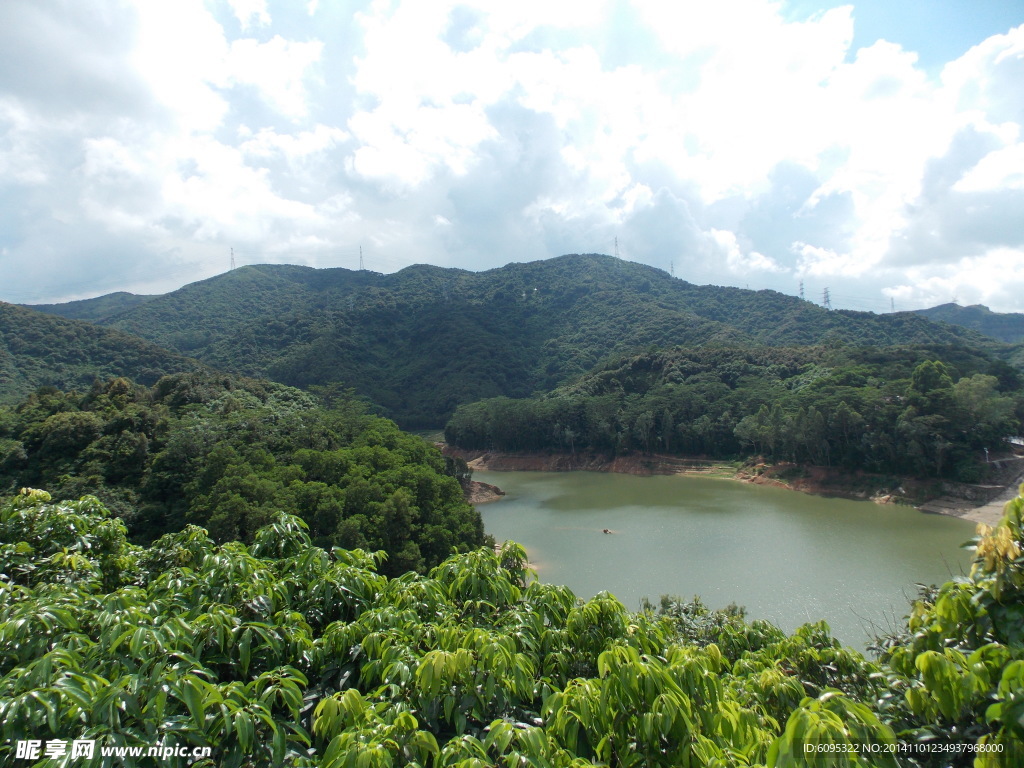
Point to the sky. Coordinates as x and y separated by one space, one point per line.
874 150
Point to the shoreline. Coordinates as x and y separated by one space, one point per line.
930 497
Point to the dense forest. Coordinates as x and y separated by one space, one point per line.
97 309
38 350
926 410
1004 326
282 653
229 454
424 340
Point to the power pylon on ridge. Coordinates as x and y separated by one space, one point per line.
360 258
826 300
232 258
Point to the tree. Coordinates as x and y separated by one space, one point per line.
984 415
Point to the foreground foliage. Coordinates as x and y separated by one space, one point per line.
283 653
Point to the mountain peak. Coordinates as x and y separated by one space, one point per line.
424 339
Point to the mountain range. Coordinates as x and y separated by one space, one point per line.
423 340
38 349
1004 326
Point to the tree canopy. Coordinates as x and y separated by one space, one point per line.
927 411
38 350
230 454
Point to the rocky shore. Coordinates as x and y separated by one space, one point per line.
482 493
646 464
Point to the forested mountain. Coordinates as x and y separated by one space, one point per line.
924 410
38 349
424 340
1003 326
97 309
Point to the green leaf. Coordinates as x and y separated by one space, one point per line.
244 650
192 694
245 730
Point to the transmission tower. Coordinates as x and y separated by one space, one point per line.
232 258
360 258
672 268
616 247
801 290
826 300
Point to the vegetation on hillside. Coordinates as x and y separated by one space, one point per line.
230 454
1004 326
282 653
37 350
424 340
926 411
97 309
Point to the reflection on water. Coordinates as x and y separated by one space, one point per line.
787 557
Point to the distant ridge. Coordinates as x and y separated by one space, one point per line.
95 310
38 349
1002 326
425 339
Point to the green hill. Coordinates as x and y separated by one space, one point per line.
421 341
38 349
97 309
230 453
1003 326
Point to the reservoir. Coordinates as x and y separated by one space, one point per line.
785 556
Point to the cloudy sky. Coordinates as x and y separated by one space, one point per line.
874 149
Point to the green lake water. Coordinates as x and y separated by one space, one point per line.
787 557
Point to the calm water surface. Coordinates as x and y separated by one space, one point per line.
788 557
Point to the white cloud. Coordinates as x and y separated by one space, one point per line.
761 93
277 69
20 161
225 199
985 82
995 278
294 147
191 67
720 137
249 12
998 170
825 262
181 53
739 262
